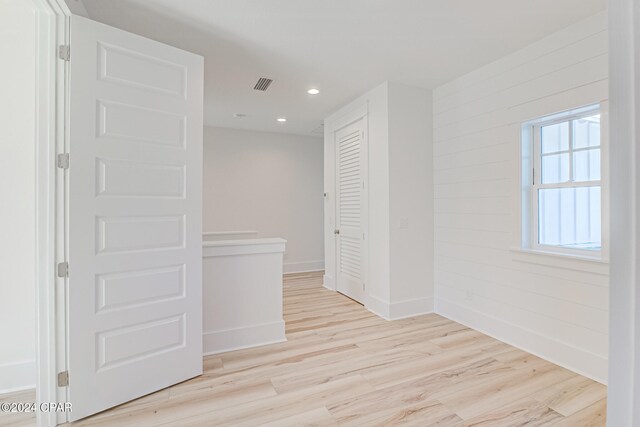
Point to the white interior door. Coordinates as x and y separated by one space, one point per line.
134 217
350 209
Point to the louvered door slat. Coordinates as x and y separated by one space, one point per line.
349 209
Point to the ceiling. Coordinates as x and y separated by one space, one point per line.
342 47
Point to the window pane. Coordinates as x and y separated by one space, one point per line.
586 132
570 217
554 138
586 165
555 168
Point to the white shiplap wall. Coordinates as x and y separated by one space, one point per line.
556 309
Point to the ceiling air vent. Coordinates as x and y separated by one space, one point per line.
263 84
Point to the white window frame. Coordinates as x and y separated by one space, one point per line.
531 180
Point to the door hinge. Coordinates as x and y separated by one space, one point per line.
63 161
64 52
62 269
63 379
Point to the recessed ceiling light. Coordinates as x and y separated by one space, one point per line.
313 91
239 115
282 119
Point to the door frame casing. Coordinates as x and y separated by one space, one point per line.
623 405
364 211
51 124
331 128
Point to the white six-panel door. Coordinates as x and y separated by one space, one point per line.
134 217
350 209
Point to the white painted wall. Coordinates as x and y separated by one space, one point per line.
77 7
623 403
554 308
242 294
410 200
17 192
399 280
270 183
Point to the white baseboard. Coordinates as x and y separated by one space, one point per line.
575 359
401 309
410 308
215 342
303 267
17 376
328 282
377 306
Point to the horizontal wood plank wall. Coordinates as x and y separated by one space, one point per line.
556 311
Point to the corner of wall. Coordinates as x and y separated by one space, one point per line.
303 267
411 199
400 309
77 7
378 306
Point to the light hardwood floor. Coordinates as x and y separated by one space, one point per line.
342 365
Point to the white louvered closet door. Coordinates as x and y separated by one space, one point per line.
349 210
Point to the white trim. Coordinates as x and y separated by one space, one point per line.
62 218
335 121
378 306
228 235
51 124
563 116
45 365
531 155
553 253
333 125
218 248
410 308
244 242
342 119
18 376
573 358
224 233
400 309
623 403
304 266
328 282
561 260
215 342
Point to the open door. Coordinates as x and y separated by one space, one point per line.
350 210
134 217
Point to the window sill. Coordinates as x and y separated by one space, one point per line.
590 264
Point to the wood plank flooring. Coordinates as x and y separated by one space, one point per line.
18 419
345 366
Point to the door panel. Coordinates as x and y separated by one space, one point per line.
349 206
134 217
